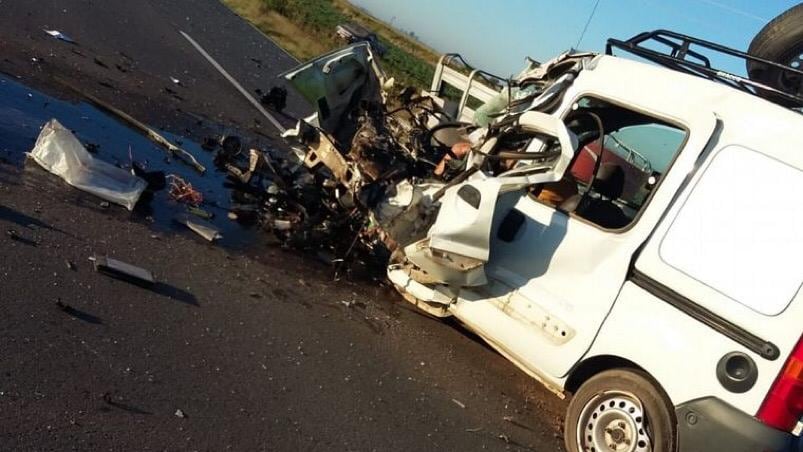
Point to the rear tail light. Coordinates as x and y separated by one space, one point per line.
783 406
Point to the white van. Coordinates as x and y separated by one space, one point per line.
639 254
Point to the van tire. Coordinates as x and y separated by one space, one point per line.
638 411
780 41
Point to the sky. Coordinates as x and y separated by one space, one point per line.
497 35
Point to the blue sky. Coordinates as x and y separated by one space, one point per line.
497 35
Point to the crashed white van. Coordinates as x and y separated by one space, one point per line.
626 233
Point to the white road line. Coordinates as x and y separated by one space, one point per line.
234 82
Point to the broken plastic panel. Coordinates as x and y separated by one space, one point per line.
58 151
122 270
334 81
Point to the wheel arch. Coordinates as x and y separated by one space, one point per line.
591 366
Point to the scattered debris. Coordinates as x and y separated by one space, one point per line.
276 98
70 265
459 403
209 143
198 212
175 80
230 146
182 191
122 270
203 228
59 151
104 204
180 413
185 156
60 36
474 430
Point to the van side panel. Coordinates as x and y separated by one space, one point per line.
677 350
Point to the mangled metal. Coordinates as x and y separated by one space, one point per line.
403 176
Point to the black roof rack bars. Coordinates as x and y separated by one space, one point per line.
682 58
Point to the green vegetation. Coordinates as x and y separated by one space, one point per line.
306 28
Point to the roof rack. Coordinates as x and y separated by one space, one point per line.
682 58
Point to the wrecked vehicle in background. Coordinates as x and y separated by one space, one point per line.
593 219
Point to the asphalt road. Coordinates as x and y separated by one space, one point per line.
255 349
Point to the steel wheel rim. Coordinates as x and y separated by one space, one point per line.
613 421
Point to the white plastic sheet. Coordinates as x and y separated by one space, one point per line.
58 151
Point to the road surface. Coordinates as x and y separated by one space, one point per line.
243 348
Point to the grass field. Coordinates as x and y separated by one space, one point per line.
306 28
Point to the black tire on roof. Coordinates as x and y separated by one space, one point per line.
781 41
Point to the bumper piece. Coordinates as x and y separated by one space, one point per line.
709 424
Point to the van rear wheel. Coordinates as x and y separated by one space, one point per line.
620 410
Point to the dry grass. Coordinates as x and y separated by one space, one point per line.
288 35
407 60
403 41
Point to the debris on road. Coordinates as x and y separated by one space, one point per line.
180 413
175 81
201 213
70 264
122 270
58 151
203 228
60 36
275 98
459 403
155 136
182 191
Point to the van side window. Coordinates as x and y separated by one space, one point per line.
610 180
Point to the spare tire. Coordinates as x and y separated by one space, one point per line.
781 41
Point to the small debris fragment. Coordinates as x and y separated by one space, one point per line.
198 212
209 143
459 403
474 430
175 80
60 36
122 270
203 228
232 216
105 204
180 413
276 98
70 265
182 191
